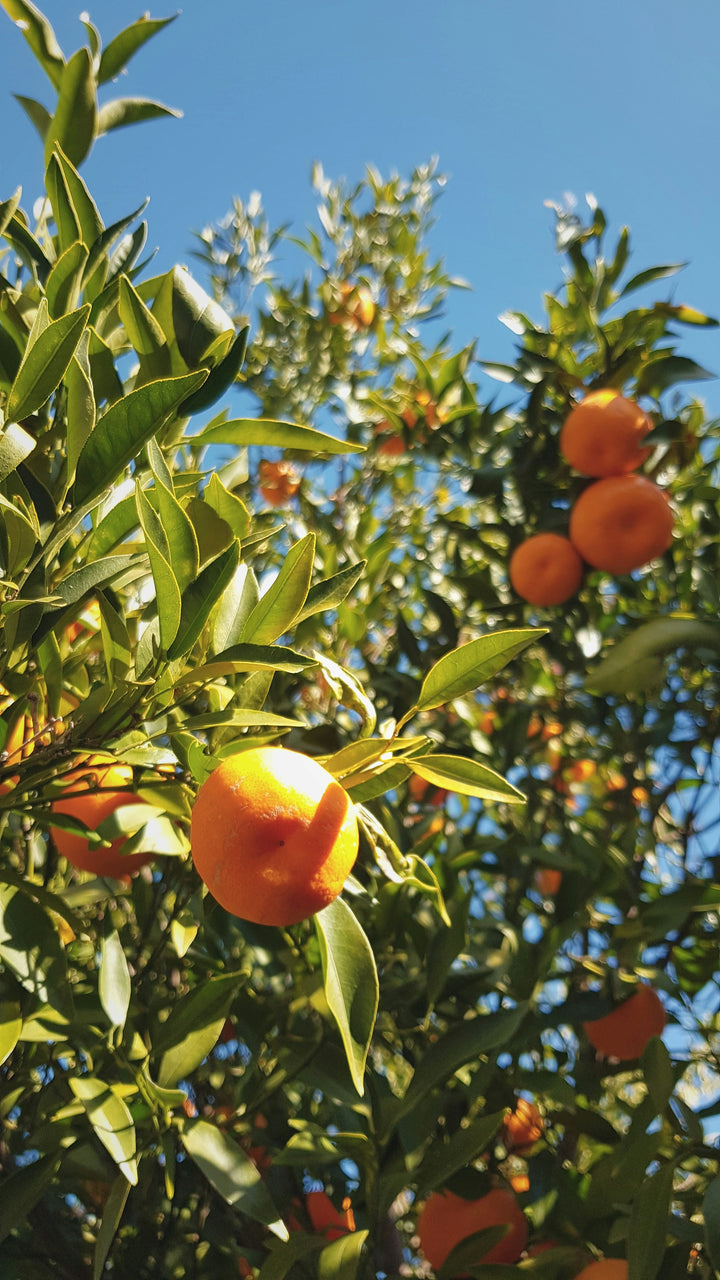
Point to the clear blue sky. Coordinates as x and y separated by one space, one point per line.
522 102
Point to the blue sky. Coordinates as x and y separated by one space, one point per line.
522 102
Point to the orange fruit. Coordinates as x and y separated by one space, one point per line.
621 523
273 835
445 1219
24 735
356 310
102 789
523 1127
581 771
602 436
605 1269
546 569
624 1033
486 723
278 482
389 441
325 1218
547 881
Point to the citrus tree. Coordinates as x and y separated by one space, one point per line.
456 1061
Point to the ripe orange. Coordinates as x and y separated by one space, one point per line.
110 785
486 723
389 441
581 771
325 1218
25 734
523 1127
605 1269
278 482
547 881
356 309
445 1219
620 523
602 435
624 1033
546 569
273 835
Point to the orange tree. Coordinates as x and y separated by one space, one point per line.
185 1093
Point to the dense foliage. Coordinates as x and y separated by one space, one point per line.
175 1081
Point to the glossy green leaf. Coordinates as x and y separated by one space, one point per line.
658 375
36 113
64 282
124 429
179 530
341 1259
649 1224
242 432
221 377
8 208
237 603
15 445
711 1216
85 209
117 649
467 777
111 1120
111 1219
232 1173
461 1149
114 979
23 1189
10 1028
350 982
281 1259
39 35
472 664
75 119
30 947
192 1029
113 527
83 581
247 657
650 276
200 598
143 330
24 242
229 507
479 1035
120 112
331 592
197 320
44 364
81 407
658 1072
470 1252
167 591
66 218
277 609
239 718
118 52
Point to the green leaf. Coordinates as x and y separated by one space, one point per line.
276 611
471 665
242 432
167 591
230 508
282 1258
66 219
650 275
75 119
111 1218
247 657
200 598
125 428
8 209
36 113
471 1251
179 530
123 46
629 664
341 1259
143 330
239 718
196 318
331 592
114 979
479 1035
22 239
350 982
81 407
63 284
221 377
23 1189
44 363
39 35
649 1224
189 1034
711 1216
232 1173
467 777
117 649
15 446
658 375
10 1027
121 112
445 1158
84 207
111 1120
30 947
83 581
658 1071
